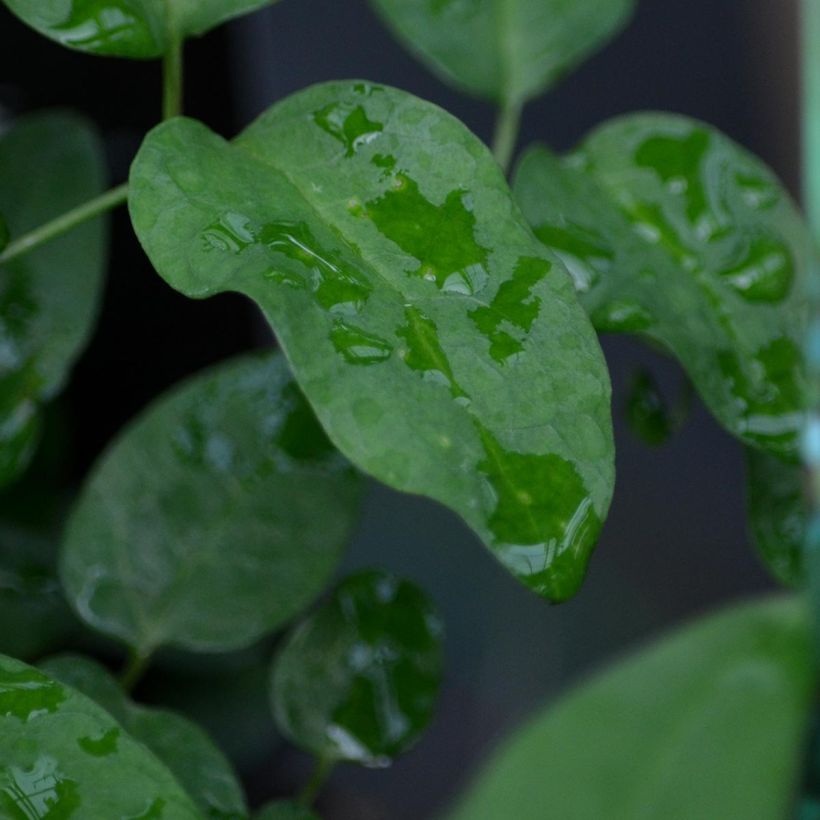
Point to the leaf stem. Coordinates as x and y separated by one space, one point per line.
172 76
65 222
308 795
507 125
135 668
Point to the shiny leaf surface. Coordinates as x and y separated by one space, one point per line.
358 679
190 755
673 232
284 810
140 29
442 348
707 723
504 49
63 756
214 518
49 163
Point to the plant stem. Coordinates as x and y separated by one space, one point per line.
64 223
506 132
172 79
324 766
134 669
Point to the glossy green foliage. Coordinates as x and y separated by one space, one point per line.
358 679
674 232
777 511
33 613
49 163
190 755
214 518
504 50
442 348
63 756
140 29
284 810
708 723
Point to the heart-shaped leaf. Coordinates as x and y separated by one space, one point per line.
140 29
64 756
709 722
358 679
49 163
214 518
441 346
190 755
674 232
504 50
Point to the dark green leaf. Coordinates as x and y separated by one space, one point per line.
709 723
49 163
442 348
63 756
358 679
504 49
648 412
5 236
674 232
139 29
190 755
214 518
285 810
777 510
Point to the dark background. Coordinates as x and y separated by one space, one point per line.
675 542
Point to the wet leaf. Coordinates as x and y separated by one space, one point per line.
709 722
358 679
285 810
777 511
510 50
49 163
64 756
442 348
675 233
190 755
214 518
140 29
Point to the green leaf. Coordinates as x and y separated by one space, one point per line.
504 50
284 810
649 414
139 29
64 756
214 518
5 236
442 348
190 755
358 679
673 232
49 163
777 512
708 723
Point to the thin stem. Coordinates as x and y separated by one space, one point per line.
64 223
308 795
810 31
506 133
135 668
172 79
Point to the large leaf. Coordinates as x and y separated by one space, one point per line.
63 756
214 518
359 678
49 163
709 723
190 755
441 346
140 29
674 232
505 50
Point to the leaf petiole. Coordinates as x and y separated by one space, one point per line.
507 126
135 668
323 770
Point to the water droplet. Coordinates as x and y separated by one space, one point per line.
231 233
621 317
585 254
39 792
102 746
26 694
765 272
357 346
107 27
348 124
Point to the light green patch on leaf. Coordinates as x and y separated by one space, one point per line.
442 348
214 518
709 722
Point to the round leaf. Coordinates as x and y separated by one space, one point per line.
442 348
708 723
214 518
64 756
358 679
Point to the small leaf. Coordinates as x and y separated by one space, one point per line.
139 29
64 756
510 50
214 518
284 810
442 348
649 414
190 755
673 232
708 723
358 679
777 509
